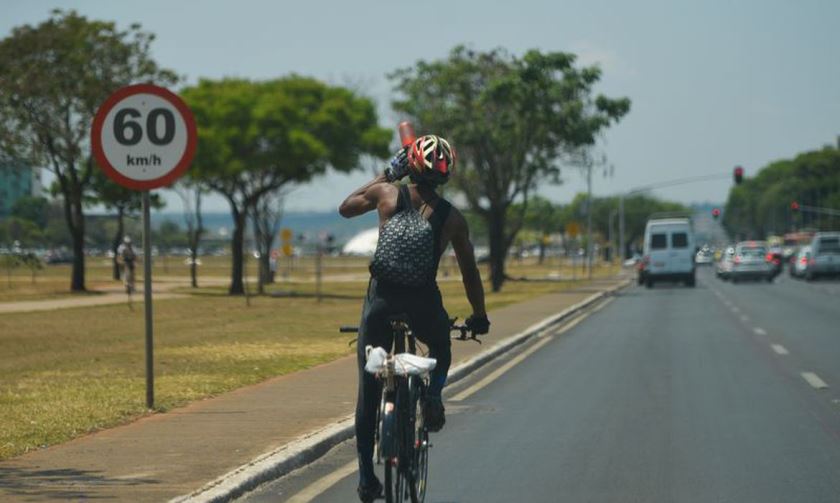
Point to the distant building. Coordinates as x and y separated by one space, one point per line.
17 180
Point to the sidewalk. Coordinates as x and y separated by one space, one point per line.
164 456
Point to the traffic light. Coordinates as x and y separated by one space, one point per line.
738 174
716 213
794 206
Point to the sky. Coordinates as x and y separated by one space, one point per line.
713 84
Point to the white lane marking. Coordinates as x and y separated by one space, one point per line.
315 489
759 331
779 349
499 371
735 309
745 318
814 380
515 361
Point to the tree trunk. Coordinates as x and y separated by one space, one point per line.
76 224
542 250
115 244
498 246
193 269
237 253
258 240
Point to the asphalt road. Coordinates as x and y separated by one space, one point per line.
721 393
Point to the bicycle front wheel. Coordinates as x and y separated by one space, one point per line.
420 444
397 486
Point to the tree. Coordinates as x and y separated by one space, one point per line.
254 138
191 193
542 216
265 222
32 208
53 77
637 209
124 201
167 236
761 205
511 120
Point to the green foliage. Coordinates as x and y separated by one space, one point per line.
169 235
283 130
760 206
33 209
25 231
53 77
512 121
255 138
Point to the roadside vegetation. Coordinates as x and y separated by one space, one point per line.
69 372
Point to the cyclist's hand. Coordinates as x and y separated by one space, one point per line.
478 324
398 166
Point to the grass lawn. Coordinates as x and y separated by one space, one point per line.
68 372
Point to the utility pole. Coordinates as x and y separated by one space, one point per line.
621 244
589 247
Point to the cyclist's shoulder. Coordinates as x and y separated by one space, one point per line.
455 221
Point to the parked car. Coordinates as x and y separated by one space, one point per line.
724 265
800 262
704 257
825 255
669 251
750 262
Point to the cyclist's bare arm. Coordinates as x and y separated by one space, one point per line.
460 238
378 194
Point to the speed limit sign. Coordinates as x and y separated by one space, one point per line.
143 137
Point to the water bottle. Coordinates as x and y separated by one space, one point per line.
407 135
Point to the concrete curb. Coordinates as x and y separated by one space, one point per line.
307 449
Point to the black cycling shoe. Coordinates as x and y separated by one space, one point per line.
372 492
433 414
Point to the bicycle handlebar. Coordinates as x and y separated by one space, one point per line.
463 329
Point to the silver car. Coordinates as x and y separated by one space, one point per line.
724 265
799 265
750 262
825 255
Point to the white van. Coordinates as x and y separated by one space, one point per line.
669 251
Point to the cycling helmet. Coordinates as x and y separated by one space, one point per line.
431 160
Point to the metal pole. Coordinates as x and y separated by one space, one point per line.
147 301
318 271
611 239
589 245
621 244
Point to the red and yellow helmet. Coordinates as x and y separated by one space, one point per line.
431 159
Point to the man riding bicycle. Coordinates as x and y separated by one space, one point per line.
400 284
126 256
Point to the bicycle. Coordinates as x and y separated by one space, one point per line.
401 437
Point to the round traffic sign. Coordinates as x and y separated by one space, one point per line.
143 137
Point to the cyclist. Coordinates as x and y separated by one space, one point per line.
428 162
126 255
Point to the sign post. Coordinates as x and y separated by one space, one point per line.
147 302
144 137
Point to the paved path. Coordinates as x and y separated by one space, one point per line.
166 455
